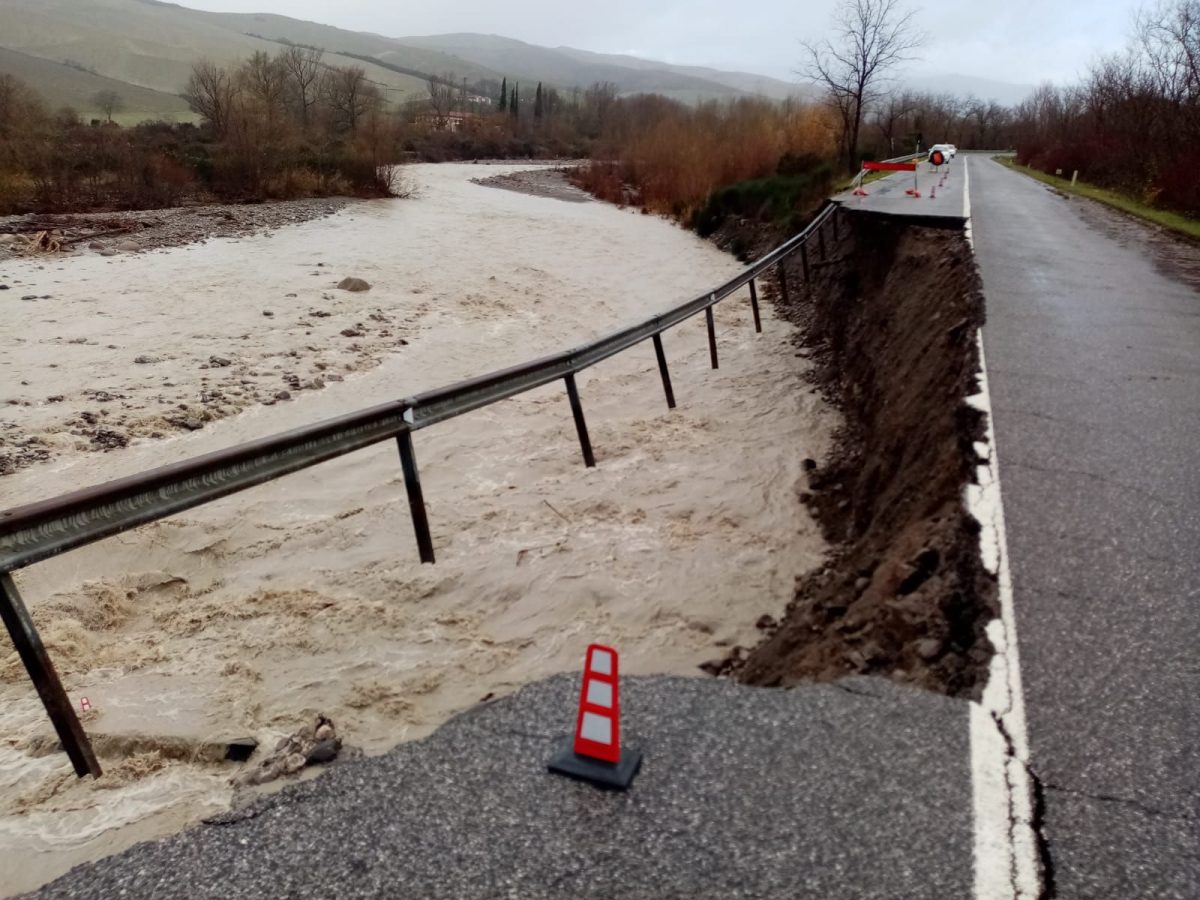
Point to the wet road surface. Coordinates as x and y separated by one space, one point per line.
1095 375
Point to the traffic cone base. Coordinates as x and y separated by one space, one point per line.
615 776
595 755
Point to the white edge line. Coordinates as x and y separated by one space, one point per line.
1006 853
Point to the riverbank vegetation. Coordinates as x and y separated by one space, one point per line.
279 127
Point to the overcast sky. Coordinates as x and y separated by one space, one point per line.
1022 41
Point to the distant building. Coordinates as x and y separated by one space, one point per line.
453 121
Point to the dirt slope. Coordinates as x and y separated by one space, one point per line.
891 319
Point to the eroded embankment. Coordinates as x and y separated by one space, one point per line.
891 319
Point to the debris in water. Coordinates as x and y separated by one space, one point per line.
314 744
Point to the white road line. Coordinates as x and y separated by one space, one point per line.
1006 854
967 200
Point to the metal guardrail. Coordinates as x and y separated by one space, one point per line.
32 533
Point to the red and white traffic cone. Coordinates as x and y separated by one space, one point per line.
595 755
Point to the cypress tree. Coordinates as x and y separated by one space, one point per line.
514 105
504 95
538 107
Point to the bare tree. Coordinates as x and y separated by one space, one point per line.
1169 39
264 81
598 103
210 94
441 98
871 37
350 96
303 68
890 112
108 102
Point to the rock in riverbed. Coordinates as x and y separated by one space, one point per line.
354 285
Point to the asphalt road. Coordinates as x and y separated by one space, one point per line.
1094 360
860 790
940 200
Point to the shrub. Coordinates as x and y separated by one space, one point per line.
774 200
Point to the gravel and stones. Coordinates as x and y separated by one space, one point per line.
155 228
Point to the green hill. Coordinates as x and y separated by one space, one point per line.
147 44
151 45
60 85
566 67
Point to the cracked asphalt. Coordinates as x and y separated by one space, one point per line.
856 790
1093 360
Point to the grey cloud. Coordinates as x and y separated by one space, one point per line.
1003 42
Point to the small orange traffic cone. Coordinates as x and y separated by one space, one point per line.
595 755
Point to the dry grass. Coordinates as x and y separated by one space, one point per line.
1173 221
669 158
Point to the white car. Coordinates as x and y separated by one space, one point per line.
949 151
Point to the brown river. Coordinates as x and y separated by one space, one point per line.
306 595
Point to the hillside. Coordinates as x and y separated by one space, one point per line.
152 45
1003 92
738 81
145 43
359 43
61 85
567 68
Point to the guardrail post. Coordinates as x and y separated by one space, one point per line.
416 497
41 672
821 241
712 338
834 219
783 288
580 424
662 368
754 306
804 261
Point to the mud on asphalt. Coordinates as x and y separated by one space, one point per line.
890 317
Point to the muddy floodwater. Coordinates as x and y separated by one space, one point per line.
305 596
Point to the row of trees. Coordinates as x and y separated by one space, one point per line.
289 124
274 127
1134 124
544 102
895 121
